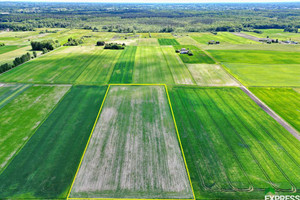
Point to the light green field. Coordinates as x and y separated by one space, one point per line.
276 34
17 37
9 92
284 101
260 47
100 69
265 75
181 74
63 65
20 118
198 57
5 49
166 41
156 35
210 75
234 150
134 151
151 66
222 37
9 56
186 40
148 42
256 57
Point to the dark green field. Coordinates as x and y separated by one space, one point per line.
166 41
124 67
46 165
233 148
198 57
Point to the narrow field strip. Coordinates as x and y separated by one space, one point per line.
46 165
12 92
243 147
167 41
151 66
123 69
180 73
20 118
133 152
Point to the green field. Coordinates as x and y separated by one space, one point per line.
123 70
198 57
181 74
210 75
134 151
150 66
9 56
5 49
166 41
222 37
9 92
233 148
276 34
148 42
266 75
46 165
284 101
20 118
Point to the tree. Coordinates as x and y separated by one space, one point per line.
34 54
100 43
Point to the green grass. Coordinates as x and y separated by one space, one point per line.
9 56
222 37
151 66
123 70
63 65
9 92
198 57
210 75
232 145
180 73
20 118
266 75
256 56
163 41
99 70
134 151
8 48
148 42
284 101
276 34
46 165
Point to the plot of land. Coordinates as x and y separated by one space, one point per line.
46 165
151 66
163 41
9 56
133 152
266 75
181 74
5 49
9 92
198 57
148 42
276 34
124 67
284 101
20 118
210 75
233 148
100 69
222 37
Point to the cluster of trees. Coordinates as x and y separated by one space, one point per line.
18 61
45 45
291 29
119 28
100 43
2 44
114 46
74 42
47 31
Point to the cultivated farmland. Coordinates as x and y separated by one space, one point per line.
233 148
134 151
166 41
284 101
45 167
198 57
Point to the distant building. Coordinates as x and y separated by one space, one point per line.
213 42
184 51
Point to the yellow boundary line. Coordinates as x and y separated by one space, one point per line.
182 152
88 141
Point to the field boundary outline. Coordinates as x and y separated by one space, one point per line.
97 118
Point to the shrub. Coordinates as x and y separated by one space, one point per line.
114 46
2 44
100 43
73 42
48 44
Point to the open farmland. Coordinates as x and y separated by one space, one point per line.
210 75
198 57
150 66
22 116
5 49
166 41
9 92
148 42
134 151
181 74
9 56
284 101
233 148
44 168
276 34
123 70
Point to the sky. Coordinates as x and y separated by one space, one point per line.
163 1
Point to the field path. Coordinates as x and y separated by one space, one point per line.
274 115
